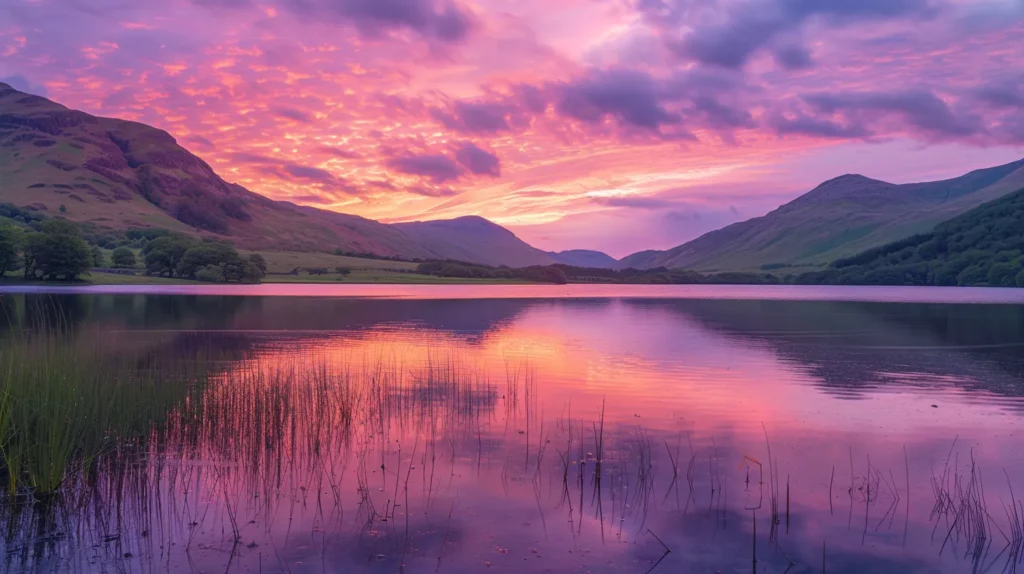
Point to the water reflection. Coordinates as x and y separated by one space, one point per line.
548 435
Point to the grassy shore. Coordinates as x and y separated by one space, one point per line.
360 276
385 276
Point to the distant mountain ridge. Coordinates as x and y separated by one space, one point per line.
118 174
463 238
839 218
584 258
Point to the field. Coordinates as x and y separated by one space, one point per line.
357 276
285 261
385 276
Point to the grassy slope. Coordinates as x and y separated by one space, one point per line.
119 175
475 240
961 251
841 217
364 276
385 276
285 261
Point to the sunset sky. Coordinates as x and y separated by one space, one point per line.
609 124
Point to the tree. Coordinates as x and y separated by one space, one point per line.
98 260
56 252
260 263
10 242
123 258
343 271
210 253
1003 274
1020 279
163 254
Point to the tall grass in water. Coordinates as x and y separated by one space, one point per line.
65 402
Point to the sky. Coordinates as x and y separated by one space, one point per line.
618 125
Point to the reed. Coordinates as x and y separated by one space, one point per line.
65 403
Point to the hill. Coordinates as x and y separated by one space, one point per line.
984 246
474 240
584 258
839 218
119 175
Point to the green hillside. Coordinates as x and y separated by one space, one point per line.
839 218
984 246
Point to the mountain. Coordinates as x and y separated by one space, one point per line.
119 175
584 258
840 217
984 246
474 240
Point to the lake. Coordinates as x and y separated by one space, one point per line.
452 429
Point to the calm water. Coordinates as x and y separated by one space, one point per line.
551 429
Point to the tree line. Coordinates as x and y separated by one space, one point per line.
562 274
56 250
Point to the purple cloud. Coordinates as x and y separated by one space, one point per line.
1004 93
200 142
793 57
474 117
22 84
478 161
920 109
338 152
632 96
435 167
805 125
309 173
291 171
734 32
292 114
443 21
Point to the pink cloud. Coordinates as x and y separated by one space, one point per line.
584 121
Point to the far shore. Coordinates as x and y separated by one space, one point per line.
355 277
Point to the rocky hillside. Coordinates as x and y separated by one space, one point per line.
120 175
839 218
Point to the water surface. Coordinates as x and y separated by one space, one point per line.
560 429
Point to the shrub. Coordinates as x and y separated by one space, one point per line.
98 260
210 274
123 258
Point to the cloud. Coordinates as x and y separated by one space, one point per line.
793 57
1004 93
291 114
309 173
338 152
443 21
728 34
805 125
631 96
478 161
921 110
636 202
435 167
474 117
23 84
200 142
291 171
